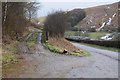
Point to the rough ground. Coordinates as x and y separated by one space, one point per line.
44 64
63 44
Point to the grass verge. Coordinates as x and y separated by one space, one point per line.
60 51
52 48
8 52
80 53
8 58
92 35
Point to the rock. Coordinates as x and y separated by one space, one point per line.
65 51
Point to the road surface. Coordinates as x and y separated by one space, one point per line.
44 64
108 53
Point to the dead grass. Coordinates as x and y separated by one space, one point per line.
63 44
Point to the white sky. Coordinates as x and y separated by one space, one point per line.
50 5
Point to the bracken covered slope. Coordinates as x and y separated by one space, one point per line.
100 17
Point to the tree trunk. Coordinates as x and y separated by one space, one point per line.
5 15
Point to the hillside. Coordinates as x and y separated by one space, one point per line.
101 17
104 17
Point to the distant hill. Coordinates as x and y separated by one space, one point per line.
39 19
101 17
74 16
104 17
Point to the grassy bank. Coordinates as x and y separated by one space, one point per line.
8 52
52 48
92 35
59 48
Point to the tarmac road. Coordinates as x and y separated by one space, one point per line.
44 64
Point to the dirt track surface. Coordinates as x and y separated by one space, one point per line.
44 64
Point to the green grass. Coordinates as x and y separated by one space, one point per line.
32 40
58 50
52 48
95 35
12 46
36 29
40 19
70 33
92 35
102 47
8 58
8 52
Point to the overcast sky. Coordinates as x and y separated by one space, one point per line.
52 5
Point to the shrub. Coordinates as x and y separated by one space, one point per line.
116 37
55 24
52 48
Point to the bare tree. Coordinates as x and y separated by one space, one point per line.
31 9
56 24
5 11
14 17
